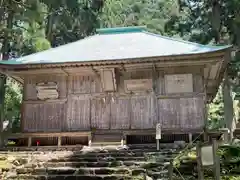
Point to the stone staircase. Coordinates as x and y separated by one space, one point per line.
109 163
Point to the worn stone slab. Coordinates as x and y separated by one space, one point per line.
75 177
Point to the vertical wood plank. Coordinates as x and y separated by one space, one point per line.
199 162
191 113
78 113
169 114
216 159
120 113
100 113
142 116
43 117
29 141
170 170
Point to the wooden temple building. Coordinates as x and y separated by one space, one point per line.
117 84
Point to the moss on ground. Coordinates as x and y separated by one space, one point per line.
4 162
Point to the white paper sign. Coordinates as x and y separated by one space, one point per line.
207 156
158 131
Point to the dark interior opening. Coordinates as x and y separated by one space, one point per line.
166 138
74 141
44 141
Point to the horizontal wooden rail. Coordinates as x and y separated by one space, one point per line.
59 135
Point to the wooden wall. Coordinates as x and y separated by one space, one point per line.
82 104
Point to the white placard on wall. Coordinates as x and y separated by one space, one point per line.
178 83
138 85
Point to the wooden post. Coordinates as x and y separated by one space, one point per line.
59 141
90 140
158 135
170 170
190 138
225 136
199 162
29 141
216 160
122 142
158 145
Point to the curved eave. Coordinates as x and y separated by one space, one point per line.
227 58
170 58
222 56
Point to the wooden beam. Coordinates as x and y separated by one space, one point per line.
65 72
53 134
18 79
208 69
100 67
45 101
58 71
79 70
173 63
181 95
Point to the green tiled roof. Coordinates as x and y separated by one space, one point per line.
116 44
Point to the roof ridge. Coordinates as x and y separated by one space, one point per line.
186 42
129 29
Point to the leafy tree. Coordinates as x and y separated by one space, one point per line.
154 14
68 21
16 18
13 100
216 111
28 26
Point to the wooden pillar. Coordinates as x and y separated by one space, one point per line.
190 138
199 162
205 136
225 135
29 141
170 170
59 140
158 144
216 160
90 139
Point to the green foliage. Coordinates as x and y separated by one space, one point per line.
13 99
68 21
153 14
216 112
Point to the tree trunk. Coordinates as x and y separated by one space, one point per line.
49 26
228 104
5 56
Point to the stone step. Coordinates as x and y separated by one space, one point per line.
81 171
75 177
127 153
90 151
158 175
141 164
105 142
96 159
92 156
